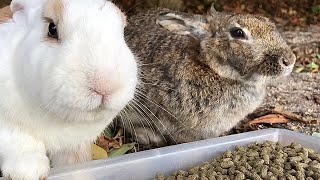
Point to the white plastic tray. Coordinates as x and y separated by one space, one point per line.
145 165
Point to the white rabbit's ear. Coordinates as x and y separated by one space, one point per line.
17 5
124 19
18 11
21 9
23 5
185 24
109 4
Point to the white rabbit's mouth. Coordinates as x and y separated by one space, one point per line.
85 106
101 98
100 102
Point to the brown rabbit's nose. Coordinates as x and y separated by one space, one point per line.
287 61
282 60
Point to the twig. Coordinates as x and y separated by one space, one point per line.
294 117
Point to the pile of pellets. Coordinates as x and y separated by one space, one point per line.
268 160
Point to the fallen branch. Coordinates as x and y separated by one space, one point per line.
294 117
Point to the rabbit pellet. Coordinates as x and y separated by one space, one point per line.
268 160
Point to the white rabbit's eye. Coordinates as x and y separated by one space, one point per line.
237 33
53 31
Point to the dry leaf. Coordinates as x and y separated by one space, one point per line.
108 143
115 143
299 69
103 142
98 152
270 119
294 117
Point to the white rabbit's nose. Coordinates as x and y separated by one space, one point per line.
102 83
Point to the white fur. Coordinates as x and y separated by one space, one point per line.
46 102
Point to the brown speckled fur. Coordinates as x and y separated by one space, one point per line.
206 85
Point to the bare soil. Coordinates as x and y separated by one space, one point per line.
300 94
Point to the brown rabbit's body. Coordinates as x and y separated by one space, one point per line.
189 91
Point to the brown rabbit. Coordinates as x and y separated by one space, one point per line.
200 75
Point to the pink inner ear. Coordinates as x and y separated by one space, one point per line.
16 7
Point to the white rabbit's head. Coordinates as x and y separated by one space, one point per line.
73 61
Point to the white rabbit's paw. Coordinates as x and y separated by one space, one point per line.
29 167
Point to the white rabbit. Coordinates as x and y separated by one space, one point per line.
65 73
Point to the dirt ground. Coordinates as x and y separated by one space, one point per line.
299 94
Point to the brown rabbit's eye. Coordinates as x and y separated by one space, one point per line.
237 33
53 31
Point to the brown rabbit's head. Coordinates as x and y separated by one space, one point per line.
243 47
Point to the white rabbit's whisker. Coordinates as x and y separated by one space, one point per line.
150 112
138 111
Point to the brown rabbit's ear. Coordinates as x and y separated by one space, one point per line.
213 10
185 24
217 19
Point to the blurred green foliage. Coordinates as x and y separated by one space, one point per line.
297 12
316 9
